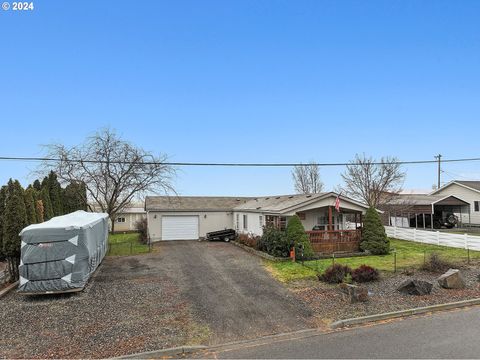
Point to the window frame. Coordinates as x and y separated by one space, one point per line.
245 222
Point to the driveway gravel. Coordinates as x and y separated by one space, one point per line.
183 293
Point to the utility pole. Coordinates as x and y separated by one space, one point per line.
439 158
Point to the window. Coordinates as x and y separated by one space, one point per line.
260 220
476 205
120 219
237 221
245 222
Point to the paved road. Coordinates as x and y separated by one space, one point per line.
230 291
453 334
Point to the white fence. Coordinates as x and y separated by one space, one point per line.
463 241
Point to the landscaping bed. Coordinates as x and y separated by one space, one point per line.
330 304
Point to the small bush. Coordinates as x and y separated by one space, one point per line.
335 274
364 273
298 238
274 242
248 240
142 227
374 238
435 263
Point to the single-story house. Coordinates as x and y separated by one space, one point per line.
126 219
469 192
191 217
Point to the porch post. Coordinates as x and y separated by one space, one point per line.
431 221
416 220
330 218
355 221
424 220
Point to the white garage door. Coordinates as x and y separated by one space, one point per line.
179 227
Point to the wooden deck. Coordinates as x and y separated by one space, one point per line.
329 241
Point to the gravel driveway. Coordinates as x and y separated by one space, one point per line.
231 292
183 293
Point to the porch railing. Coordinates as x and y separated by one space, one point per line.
329 241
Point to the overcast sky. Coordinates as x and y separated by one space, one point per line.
246 81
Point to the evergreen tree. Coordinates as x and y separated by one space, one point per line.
47 205
30 205
297 236
14 220
74 197
39 211
55 193
374 238
37 186
3 196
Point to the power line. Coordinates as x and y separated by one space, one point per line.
411 162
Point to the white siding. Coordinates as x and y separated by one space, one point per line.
464 194
253 223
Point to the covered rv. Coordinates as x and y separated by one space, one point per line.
60 254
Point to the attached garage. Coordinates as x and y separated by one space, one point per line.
189 217
178 227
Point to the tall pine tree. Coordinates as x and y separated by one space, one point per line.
29 198
55 193
47 204
3 197
15 219
75 197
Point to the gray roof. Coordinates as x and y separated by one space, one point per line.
414 199
277 203
472 184
193 203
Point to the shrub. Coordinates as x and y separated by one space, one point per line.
274 242
364 273
298 238
335 274
248 240
142 227
435 263
374 238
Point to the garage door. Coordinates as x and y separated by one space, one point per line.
179 227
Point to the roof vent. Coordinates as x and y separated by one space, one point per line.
309 196
278 197
258 208
267 198
290 197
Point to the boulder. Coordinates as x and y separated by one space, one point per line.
415 287
354 293
452 279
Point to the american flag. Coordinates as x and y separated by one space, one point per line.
337 203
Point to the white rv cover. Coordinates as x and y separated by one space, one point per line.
61 253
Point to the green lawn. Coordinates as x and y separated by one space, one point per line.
125 244
409 254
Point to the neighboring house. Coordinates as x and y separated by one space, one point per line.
424 210
126 220
458 197
468 191
191 217
128 217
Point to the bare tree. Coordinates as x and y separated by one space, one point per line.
306 179
113 170
372 182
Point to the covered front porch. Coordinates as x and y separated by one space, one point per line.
328 230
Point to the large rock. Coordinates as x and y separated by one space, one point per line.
354 293
452 279
415 287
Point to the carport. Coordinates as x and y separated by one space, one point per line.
423 211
